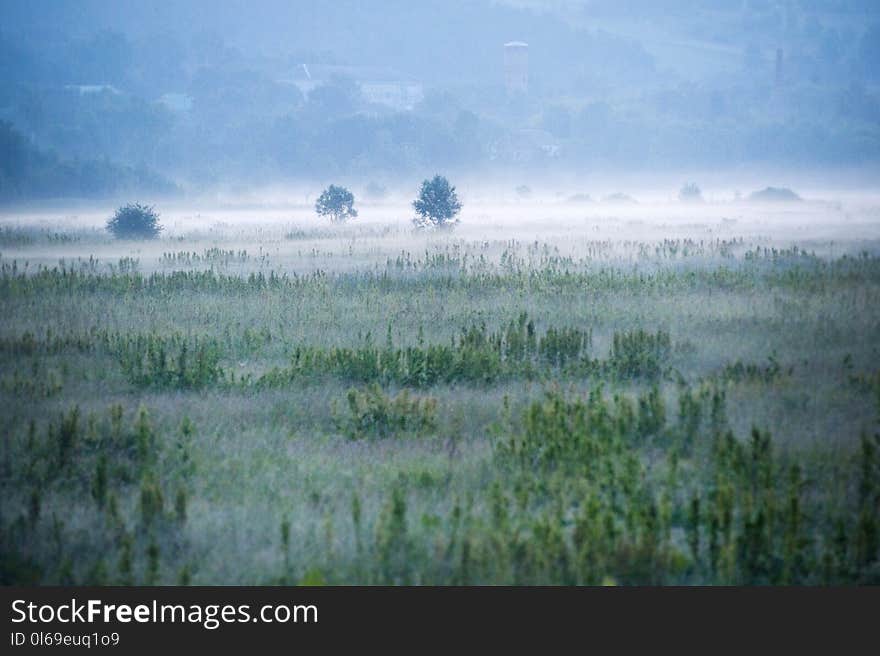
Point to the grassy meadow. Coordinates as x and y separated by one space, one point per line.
610 395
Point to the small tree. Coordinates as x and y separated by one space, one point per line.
135 221
690 193
437 204
337 203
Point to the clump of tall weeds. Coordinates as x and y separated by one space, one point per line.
371 413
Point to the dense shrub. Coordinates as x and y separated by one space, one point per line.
474 356
373 413
176 361
774 195
135 221
639 353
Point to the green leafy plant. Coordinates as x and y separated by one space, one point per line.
135 221
373 413
437 204
336 203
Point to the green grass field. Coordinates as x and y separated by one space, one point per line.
600 400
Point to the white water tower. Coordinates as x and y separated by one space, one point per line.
516 67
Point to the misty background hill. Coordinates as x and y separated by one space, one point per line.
101 97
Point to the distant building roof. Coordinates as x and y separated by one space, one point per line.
516 44
318 72
92 88
384 86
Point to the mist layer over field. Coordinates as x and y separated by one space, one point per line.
279 228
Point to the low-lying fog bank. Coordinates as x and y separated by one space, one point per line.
287 235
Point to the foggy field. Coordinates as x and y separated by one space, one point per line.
553 393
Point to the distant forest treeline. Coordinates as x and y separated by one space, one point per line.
121 94
26 173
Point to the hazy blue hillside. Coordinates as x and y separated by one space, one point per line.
274 90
